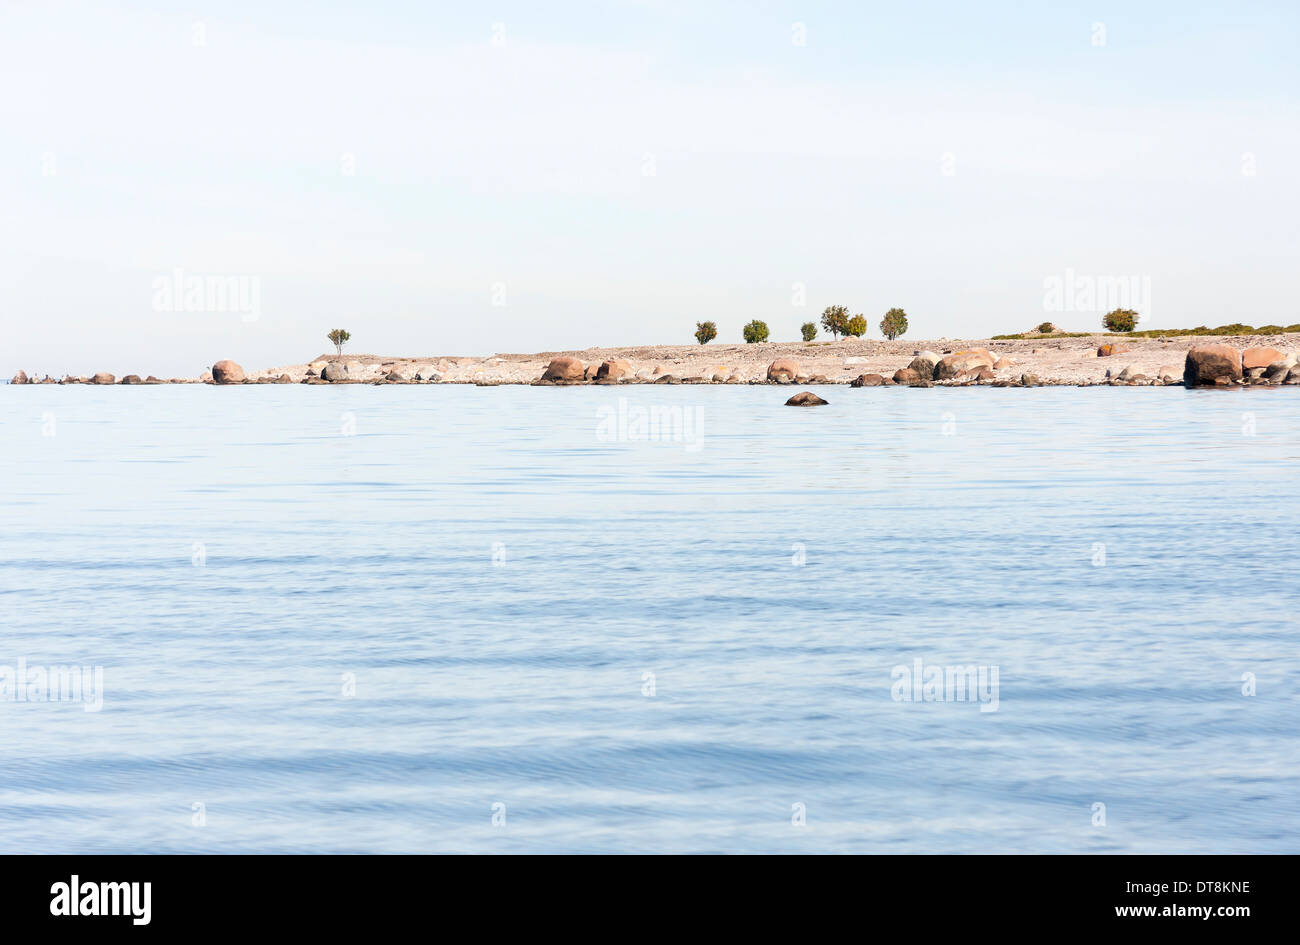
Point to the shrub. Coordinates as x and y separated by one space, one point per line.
894 324
705 332
339 337
755 331
809 331
836 320
1122 319
1046 328
857 326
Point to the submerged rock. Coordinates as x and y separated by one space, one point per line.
867 380
805 399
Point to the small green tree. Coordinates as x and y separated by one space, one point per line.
857 326
809 331
894 324
755 332
1122 319
835 319
1046 328
705 332
339 337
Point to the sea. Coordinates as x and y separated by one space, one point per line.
648 619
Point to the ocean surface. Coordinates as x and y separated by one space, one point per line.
447 618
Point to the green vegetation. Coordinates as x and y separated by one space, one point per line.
835 319
1046 328
1234 329
809 331
705 332
1120 320
339 337
755 332
894 324
857 326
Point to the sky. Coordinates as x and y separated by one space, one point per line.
180 185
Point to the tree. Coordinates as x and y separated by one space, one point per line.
857 326
755 331
1122 319
809 331
836 320
339 337
705 332
894 323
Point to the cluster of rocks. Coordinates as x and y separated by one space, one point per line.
101 378
1225 366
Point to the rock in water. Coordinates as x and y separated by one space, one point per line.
867 380
805 399
783 371
567 370
103 377
19 378
227 372
1211 366
909 376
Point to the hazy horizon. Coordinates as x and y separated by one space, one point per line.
447 182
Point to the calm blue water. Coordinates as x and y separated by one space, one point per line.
496 570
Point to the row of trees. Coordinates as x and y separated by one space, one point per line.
836 320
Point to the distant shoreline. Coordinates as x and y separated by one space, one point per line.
1052 360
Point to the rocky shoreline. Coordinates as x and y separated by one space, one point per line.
1229 361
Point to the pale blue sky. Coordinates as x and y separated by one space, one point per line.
614 172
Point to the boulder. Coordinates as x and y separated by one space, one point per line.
924 362
1002 363
783 371
719 377
1262 358
1211 366
614 369
1277 373
565 370
667 379
1111 349
970 359
227 372
908 376
805 399
984 374
19 378
131 379
334 371
103 377
284 379
314 369
867 380
1029 380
